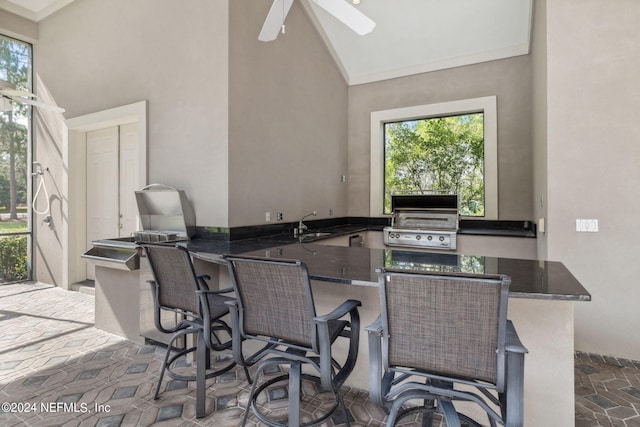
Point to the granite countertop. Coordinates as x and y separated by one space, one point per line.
356 266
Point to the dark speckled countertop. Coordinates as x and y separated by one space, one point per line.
356 266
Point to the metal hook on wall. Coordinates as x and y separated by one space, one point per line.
39 170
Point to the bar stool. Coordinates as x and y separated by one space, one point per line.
275 305
174 290
450 330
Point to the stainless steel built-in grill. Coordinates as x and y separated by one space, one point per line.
165 213
166 216
426 220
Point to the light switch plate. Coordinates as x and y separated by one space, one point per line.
587 225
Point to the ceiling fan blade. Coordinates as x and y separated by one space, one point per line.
275 19
17 92
348 15
36 103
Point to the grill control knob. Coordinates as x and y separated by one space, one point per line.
442 238
430 238
418 237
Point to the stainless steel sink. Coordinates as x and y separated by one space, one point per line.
309 236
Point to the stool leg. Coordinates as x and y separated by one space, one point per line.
294 394
201 372
343 406
207 357
164 367
449 412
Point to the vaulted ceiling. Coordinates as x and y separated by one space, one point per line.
410 37
416 36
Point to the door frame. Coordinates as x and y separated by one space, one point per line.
74 187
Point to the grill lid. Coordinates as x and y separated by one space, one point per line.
425 210
421 201
426 220
165 209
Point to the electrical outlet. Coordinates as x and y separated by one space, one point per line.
343 178
267 216
279 216
330 211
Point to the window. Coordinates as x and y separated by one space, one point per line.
436 153
15 73
446 146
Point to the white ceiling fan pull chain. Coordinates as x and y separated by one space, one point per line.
341 10
274 24
284 15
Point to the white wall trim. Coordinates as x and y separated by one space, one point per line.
443 64
487 104
73 181
32 15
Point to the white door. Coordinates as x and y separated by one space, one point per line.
129 172
102 183
112 171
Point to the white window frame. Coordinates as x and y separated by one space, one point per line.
486 105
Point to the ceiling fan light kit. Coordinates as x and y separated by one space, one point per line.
340 9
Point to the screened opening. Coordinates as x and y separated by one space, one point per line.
15 74
437 154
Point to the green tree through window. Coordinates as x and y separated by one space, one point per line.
440 153
15 61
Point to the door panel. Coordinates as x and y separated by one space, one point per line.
102 183
102 186
128 179
112 179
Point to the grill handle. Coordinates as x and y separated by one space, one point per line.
146 187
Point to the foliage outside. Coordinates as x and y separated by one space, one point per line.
466 263
15 64
437 154
15 59
14 262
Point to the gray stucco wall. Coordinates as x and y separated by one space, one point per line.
287 120
509 80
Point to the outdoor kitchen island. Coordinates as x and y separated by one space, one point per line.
542 295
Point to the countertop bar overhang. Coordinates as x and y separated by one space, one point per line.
356 266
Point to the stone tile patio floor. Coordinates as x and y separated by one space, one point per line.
56 369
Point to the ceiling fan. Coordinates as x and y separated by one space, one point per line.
341 10
10 93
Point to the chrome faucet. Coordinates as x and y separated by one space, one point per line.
301 226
